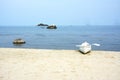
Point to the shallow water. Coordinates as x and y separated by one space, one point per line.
64 37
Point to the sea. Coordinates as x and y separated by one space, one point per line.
62 38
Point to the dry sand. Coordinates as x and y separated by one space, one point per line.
39 64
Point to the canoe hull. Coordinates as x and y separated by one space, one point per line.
85 49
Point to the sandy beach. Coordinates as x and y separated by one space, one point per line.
43 64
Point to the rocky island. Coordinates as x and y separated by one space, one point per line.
53 26
41 24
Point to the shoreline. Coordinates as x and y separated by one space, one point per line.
44 64
58 49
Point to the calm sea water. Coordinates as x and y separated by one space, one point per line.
64 37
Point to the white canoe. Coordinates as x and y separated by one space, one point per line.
85 47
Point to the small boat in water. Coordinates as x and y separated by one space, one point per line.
84 47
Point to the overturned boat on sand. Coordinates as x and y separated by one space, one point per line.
85 47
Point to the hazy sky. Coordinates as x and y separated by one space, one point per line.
60 12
